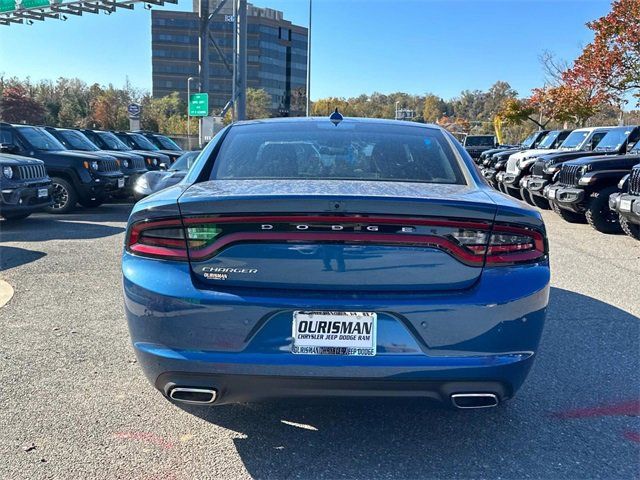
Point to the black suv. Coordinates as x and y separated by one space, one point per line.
161 141
544 171
497 162
519 164
626 203
77 177
137 141
585 185
24 186
108 142
476 144
131 165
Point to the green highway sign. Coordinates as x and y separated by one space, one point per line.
199 104
34 3
7 5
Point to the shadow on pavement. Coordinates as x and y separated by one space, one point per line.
81 224
588 358
11 257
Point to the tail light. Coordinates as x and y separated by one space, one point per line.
472 243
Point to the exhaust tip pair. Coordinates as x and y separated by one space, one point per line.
474 400
196 396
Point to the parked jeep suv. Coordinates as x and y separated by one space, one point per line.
137 141
24 186
616 141
519 163
108 142
131 165
476 144
496 163
77 177
585 185
161 141
626 203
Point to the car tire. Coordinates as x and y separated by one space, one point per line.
598 213
514 192
14 217
526 196
540 202
92 203
631 229
64 196
568 215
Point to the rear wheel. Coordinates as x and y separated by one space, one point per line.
539 202
631 229
568 215
526 196
599 215
64 196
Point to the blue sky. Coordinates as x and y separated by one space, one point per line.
359 46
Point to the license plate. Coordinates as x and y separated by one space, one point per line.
625 205
334 333
120 182
552 194
43 192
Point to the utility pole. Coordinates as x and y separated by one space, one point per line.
203 56
241 78
309 61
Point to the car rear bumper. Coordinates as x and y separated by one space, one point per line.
626 205
426 342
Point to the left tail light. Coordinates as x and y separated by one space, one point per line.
159 239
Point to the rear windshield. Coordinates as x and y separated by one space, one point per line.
479 142
348 151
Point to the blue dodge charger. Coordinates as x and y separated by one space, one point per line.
335 257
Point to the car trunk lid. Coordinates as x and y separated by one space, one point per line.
335 235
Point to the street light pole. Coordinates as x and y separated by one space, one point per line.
309 61
189 111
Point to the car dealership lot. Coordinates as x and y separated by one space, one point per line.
75 404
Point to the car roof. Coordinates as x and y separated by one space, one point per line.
383 121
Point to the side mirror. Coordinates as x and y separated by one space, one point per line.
8 148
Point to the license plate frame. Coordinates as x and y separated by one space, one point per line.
342 333
43 192
552 193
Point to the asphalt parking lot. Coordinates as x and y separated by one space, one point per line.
76 405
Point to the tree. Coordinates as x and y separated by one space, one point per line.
610 65
258 103
16 106
434 108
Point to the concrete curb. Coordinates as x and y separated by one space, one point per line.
6 292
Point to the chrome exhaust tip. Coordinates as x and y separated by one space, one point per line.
474 400
197 396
